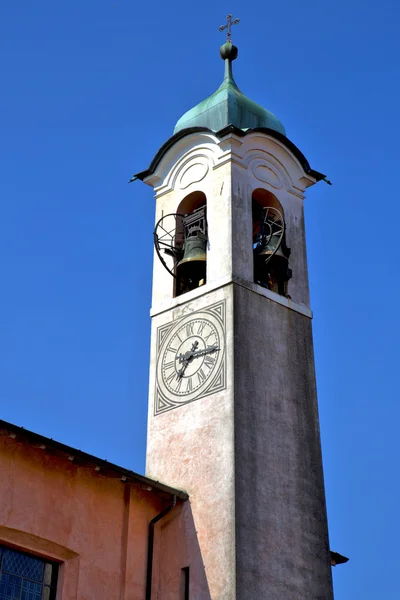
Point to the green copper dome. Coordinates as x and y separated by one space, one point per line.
228 106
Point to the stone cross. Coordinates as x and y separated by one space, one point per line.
228 27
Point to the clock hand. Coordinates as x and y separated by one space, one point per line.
188 355
207 350
186 358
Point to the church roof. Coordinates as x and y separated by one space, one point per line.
83 459
229 106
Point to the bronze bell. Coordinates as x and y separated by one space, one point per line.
194 249
191 270
268 250
271 267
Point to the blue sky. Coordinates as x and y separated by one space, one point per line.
90 91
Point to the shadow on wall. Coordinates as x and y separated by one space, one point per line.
178 559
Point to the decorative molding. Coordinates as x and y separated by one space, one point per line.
29 542
162 332
267 168
285 160
175 170
193 173
231 148
175 303
181 175
283 300
264 171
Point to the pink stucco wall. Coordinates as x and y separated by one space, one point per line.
95 526
181 526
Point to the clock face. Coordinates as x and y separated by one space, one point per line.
190 357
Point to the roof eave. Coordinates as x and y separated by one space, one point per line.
105 468
164 149
222 133
280 137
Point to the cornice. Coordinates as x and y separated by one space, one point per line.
221 135
287 302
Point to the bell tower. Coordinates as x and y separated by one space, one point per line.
233 416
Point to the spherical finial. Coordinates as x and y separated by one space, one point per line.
228 51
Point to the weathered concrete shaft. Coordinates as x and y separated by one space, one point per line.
282 550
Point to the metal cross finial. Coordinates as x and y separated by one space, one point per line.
228 26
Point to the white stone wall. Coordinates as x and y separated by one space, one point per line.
192 448
202 446
228 171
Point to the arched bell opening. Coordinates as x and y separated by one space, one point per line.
191 269
270 253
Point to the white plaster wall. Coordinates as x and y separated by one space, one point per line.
228 171
192 448
259 161
195 165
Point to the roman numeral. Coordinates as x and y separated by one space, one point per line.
189 385
178 387
209 335
189 329
201 328
170 377
209 361
201 375
169 365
